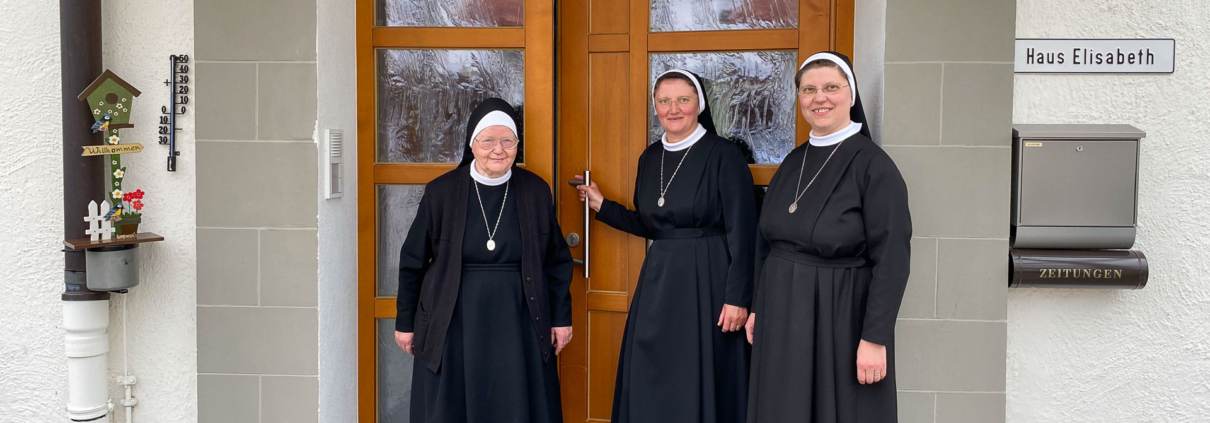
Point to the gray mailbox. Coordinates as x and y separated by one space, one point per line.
1075 186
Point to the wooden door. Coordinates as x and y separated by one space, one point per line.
606 50
421 68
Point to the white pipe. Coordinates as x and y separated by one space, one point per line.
127 380
87 345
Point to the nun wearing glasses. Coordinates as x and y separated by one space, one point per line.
483 286
683 357
831 266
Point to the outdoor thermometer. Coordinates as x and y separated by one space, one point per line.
178 83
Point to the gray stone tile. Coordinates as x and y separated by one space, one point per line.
977 104
916 407
289 267
228 399
950 30
255 184
946 355
972 279
956 191
286 101
290 399
919 300
281 341
225 101
966 408
227 266
912 104
254 30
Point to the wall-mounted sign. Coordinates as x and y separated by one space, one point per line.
1059 55
101 150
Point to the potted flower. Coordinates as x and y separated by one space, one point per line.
132 213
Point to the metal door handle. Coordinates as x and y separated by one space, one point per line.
577 182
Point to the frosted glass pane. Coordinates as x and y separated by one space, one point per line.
394 376
713 15
751 97
426 96
451 13
397 205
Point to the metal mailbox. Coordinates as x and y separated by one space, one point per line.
1075 186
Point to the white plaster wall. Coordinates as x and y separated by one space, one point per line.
869 57
32 365
1125 356
138 37
337 85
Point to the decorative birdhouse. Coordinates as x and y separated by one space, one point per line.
110 95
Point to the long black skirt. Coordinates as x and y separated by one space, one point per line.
492 369
804 356
676 364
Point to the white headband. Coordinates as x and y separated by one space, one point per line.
701 95
494 118
844 67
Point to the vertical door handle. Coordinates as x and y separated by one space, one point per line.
587 223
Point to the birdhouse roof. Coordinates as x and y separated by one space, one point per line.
101 79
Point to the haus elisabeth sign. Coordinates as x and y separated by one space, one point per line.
1054 55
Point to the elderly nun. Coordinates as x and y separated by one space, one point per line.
683 357
831 265
483 286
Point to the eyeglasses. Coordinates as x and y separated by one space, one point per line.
680 101
490 143
828 89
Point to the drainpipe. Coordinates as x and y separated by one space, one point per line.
85 312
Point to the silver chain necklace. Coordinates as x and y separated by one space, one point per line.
663 188
491 232
794 205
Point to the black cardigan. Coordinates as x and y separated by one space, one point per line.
430 262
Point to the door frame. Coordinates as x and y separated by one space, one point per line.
834 20
536 39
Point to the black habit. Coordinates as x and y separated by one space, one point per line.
481 318
676 364
827 276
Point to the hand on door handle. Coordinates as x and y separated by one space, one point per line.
588 192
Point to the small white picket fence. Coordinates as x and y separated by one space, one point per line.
99 228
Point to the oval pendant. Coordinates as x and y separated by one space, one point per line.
793 207
491 245
661 202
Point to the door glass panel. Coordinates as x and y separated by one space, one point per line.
397 205
394 376
751 96
426 96
713 15
450 13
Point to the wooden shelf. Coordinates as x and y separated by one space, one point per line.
86 243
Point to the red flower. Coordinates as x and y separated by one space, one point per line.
138 205
127 197
138 194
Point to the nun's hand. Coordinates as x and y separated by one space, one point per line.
560 337
871 362
750 327
404 339
732 318
590 193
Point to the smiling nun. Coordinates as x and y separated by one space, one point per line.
831 266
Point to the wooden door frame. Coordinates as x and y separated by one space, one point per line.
536 38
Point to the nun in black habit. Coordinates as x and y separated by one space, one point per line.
831 266
483 287
683 358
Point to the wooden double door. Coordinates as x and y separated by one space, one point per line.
586 67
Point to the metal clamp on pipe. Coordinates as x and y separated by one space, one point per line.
1107 269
